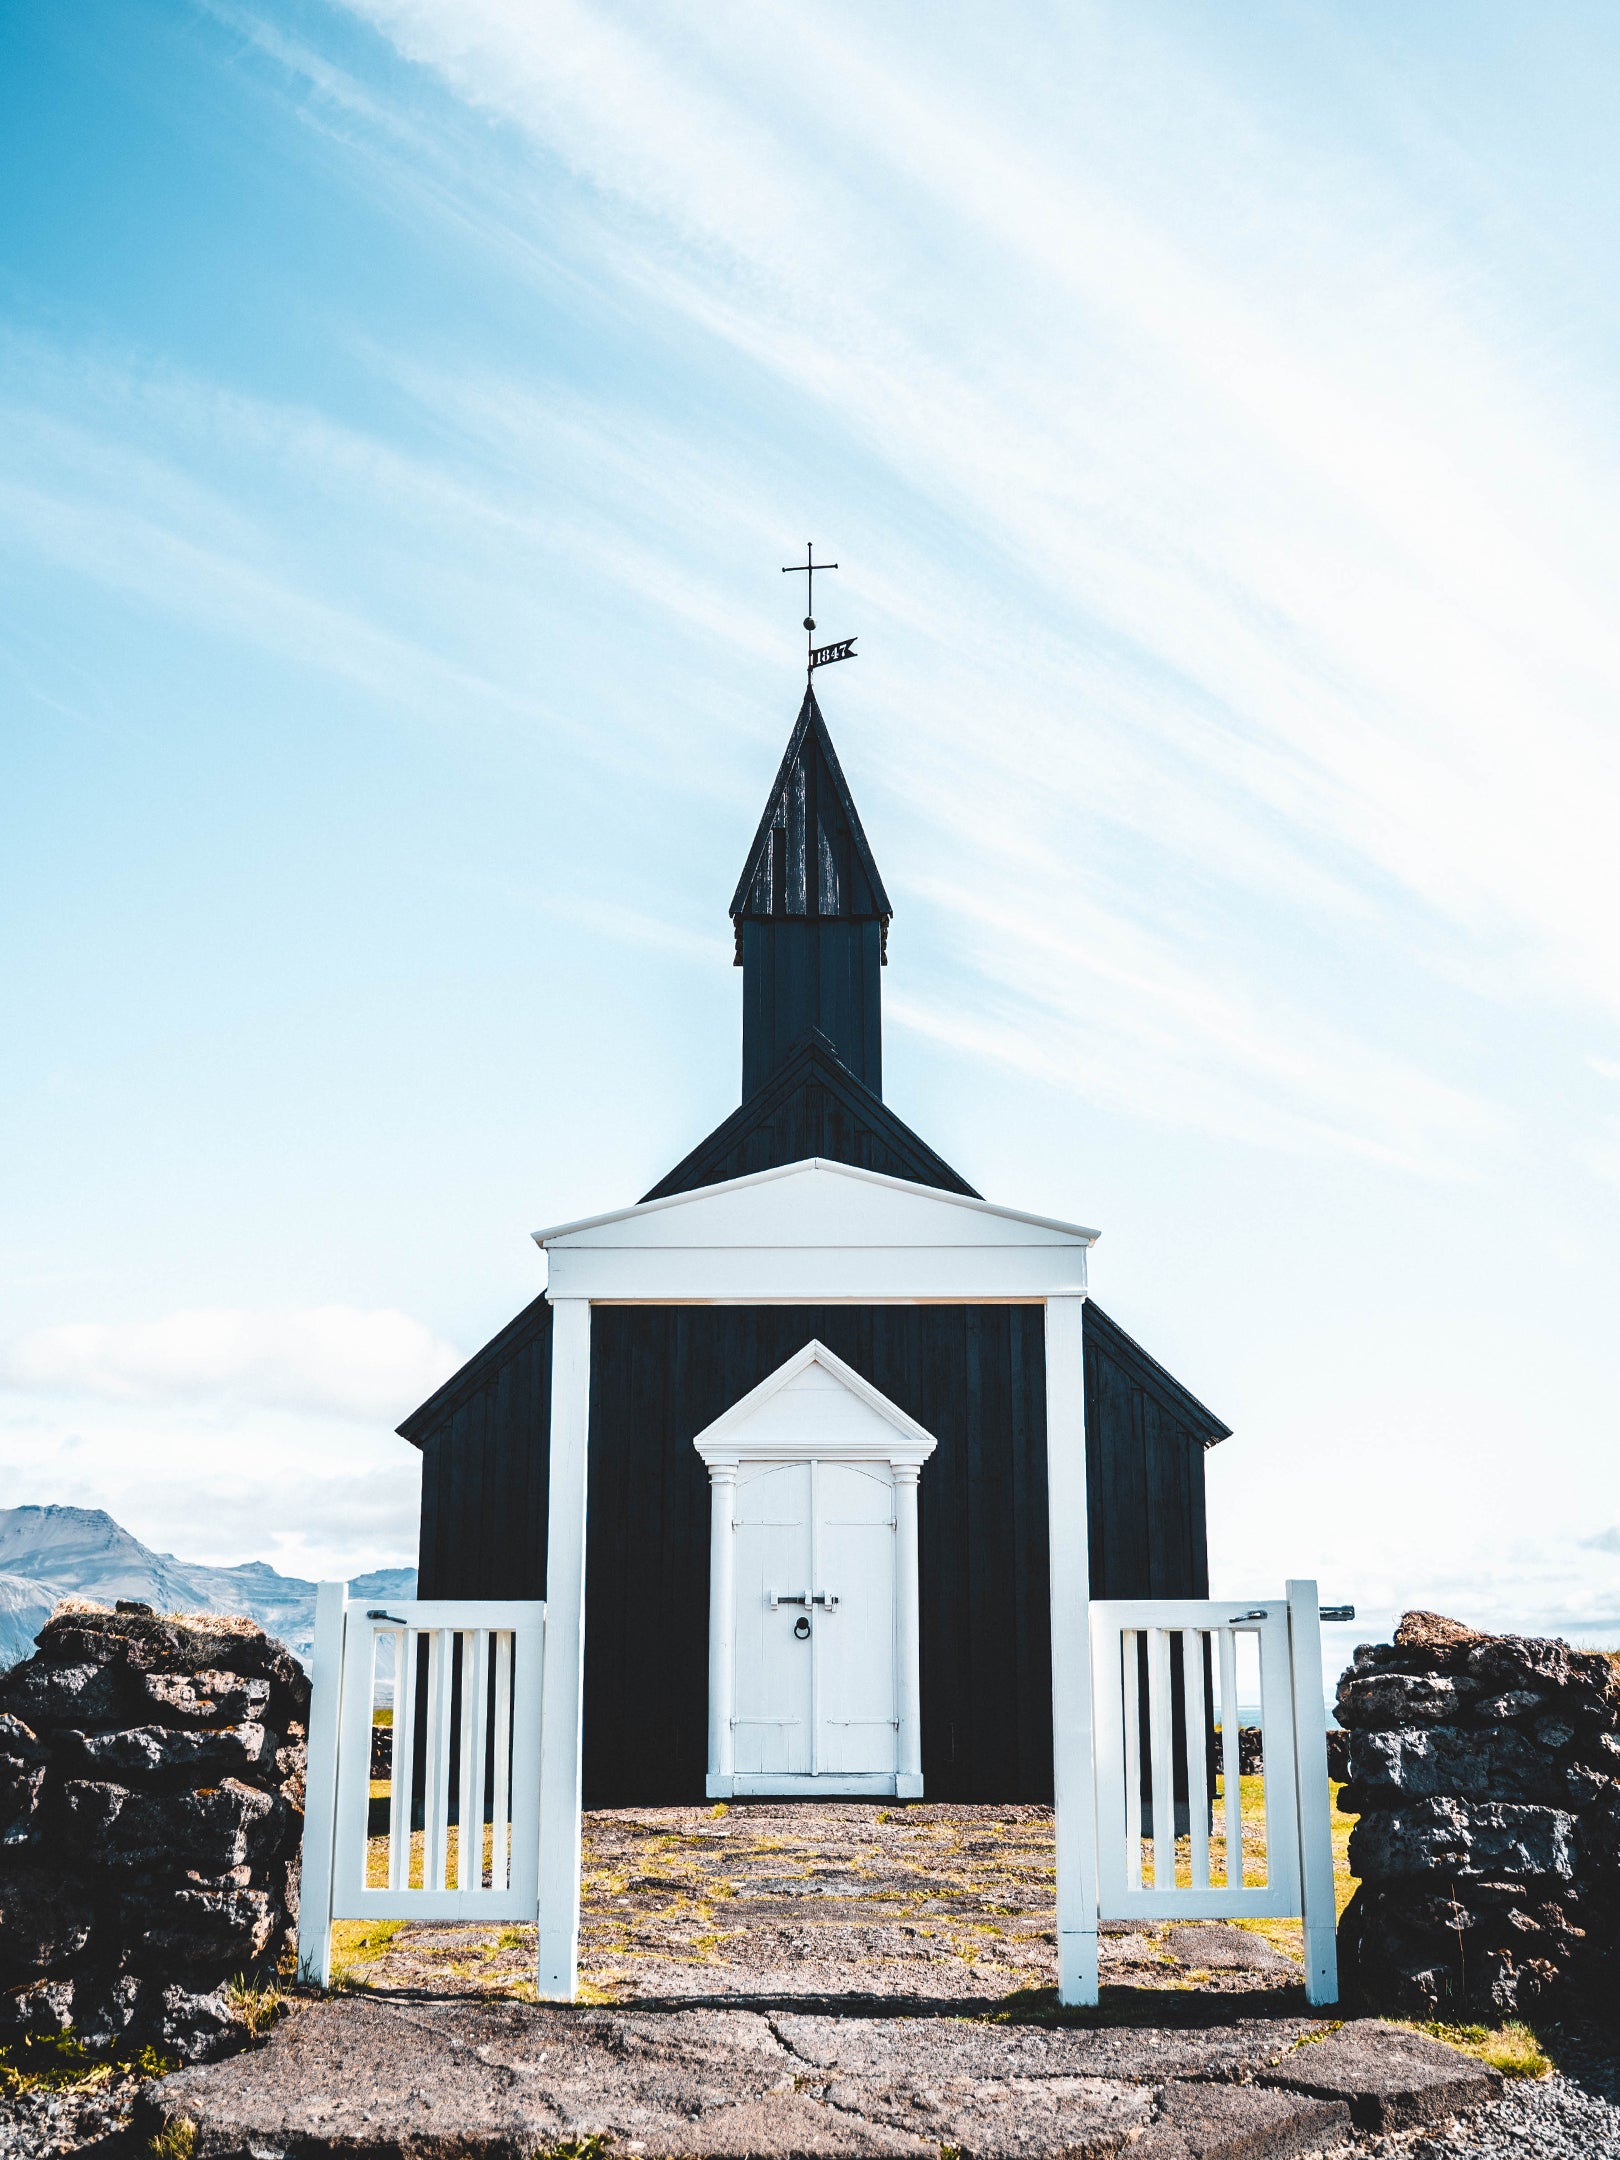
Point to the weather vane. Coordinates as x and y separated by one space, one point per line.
816 655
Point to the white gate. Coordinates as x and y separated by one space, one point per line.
456 1836
1166 1678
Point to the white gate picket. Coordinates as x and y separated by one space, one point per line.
487 1729
1137 1642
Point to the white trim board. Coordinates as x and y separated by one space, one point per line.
823 1166
816 1232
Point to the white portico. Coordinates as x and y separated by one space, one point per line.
816 1232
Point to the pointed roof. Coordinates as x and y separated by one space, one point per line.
811 1105
820 865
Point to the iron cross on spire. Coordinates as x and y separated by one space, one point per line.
815 655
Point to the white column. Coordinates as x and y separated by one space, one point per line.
722 1626
563 1701
320 1787
1314 1795
908 1782
1074 1785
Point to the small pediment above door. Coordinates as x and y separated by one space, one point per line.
815 1406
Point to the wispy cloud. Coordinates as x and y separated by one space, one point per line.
1309 599
331 1359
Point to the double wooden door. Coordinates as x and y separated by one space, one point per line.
815 1700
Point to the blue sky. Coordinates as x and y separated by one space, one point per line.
404 410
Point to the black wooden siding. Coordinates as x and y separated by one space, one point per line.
812 1105
973 1375
486 1464
1144 1471
799 975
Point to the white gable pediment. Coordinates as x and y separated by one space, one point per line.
815 1231
815 1405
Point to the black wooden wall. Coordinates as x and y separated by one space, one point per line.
1145 1441
974 1376
485 1441
803 974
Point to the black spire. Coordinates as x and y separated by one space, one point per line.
811 916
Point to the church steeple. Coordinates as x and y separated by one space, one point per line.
811 916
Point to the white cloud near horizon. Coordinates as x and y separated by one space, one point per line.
333 1360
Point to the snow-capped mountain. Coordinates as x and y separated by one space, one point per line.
51 1552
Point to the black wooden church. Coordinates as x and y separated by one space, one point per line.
959 1390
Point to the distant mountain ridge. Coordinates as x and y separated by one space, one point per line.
48 1553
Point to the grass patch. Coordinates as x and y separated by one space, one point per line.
56 2062
359 1943
177 2140
1513 2048
257 2003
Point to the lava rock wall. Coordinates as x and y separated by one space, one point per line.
1485 1770
151 1804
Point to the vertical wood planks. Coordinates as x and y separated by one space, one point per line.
562 1703
1161 1759
436 1782
1192 1692
500 1863
1314 1796
1132 1698
474 1740
404 1762
1231 1759
320 1788
1073 1773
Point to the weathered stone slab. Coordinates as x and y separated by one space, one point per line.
1390 2079
1218 1948
499 2079
137 1753
1382 1700
209 1832
1240 2122
934 2048
1488 1763
1445 1836
206 1698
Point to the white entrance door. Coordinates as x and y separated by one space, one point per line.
815 1627
814 1665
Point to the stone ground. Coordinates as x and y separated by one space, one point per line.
927 1907
840 1979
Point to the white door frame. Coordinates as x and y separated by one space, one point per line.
747 1433
817 1233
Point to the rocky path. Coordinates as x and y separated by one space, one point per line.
928 1906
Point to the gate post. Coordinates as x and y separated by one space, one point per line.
1314 1795
563 1698
1074 1789
320 1786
